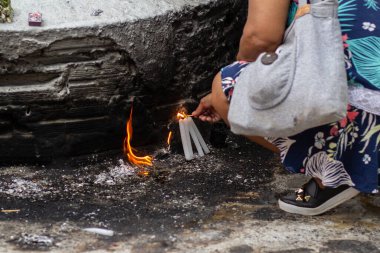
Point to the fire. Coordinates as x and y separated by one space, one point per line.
182 115
169 138
144 173
128 150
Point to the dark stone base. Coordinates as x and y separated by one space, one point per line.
68 92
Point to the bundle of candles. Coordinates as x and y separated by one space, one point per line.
189 131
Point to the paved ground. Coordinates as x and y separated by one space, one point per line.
225 202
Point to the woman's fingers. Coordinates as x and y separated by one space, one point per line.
205 111
203 106
211 117
199 111
216 117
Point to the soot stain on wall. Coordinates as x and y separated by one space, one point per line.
68 92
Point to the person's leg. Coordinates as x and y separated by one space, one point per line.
313 198
221 105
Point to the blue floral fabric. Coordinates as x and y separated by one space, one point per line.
230 75
344 152
348 151
360 23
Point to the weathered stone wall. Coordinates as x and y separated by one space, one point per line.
68 91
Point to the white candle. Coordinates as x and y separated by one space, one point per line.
188 140
99 231
184 139
200 138
195 139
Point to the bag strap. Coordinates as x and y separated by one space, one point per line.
328 10
303 8
302 3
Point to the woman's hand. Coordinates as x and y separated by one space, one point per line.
205 111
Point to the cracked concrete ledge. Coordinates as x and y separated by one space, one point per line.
66 88
72 14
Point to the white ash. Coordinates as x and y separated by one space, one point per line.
67 227
23 188
117 174
183 202
34 241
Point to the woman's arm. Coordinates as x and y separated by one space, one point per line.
264 29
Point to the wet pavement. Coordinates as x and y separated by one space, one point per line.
223 202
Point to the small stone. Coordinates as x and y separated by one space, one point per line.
96 12
350 246
35 19
33 241
241 249
154 247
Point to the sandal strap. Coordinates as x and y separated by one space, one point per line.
303 194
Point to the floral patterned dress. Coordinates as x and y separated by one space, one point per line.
348 151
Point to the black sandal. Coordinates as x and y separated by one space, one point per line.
310 199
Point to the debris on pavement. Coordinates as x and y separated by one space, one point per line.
96 12
10 211
33 241
116 174
6 11
100 231
23 188
35 19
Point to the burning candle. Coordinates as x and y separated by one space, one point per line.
184 139
189 131
188 139
199 136
195 138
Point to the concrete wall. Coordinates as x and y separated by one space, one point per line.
66 88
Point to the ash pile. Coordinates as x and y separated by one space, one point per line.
108 192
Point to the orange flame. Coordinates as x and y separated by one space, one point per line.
182 115
128 150
144 173
169 138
